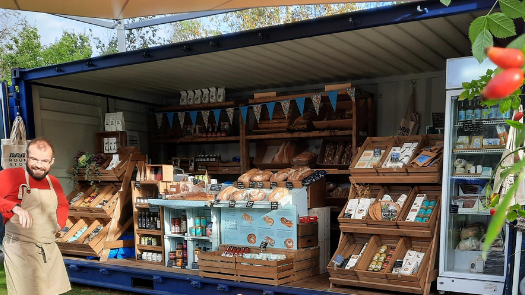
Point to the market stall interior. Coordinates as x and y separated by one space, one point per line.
264 170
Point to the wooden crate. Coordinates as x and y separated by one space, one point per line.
320 158
102 206
435 170
375 190
371 143
433 193
166 170
213 265
265 272
395 192
350 244
81 246
410 243
115 174
376 241
398 142
260 153
342 124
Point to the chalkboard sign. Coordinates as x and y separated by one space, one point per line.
216 187
194 265
240 184
263 246
438 120
252 184
216 202
273 185
260 184
472 126
274 205
232 204
183 265
154 208
249 204
137 184
454 209
289 185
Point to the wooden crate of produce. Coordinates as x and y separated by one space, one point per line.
371 143
96 201
433 194
350 244
213 265
395 192
114 174
398 142
336 153
375 243
411 243
90 243
375 190
265 272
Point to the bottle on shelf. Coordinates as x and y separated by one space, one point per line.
469 112
173 225
197 252
147 223
461 111
140 220
158 177
158 222
477 109
184 223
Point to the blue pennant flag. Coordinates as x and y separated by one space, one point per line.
270 106
332 95
170 118
217 114
244 112
300 104
193 116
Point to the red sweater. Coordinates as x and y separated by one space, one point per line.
10 181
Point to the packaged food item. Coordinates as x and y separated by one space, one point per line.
213 95
197 99
183 98
221 94
205 95
502 134
190 97
351 208
362 208
414 210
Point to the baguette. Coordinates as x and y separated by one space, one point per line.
339 153
277 194
278 158
281 175
347 155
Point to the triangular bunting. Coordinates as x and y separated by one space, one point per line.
229 111
300 104
257 111
332 95
217 114
205 117
270 106
193 116
170 118
181 119
159 119
316 99
285 104
244 112
351 92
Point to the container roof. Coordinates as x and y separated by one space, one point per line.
317 51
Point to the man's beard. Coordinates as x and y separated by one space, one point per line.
40 177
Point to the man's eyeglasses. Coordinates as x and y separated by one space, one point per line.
45 162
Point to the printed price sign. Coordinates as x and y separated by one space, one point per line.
249 204
240 185
273 185
216 187
252 184
183 265
473 126
289 185
194 265
263 246
137 184
260 184
454 209
274 205
232 204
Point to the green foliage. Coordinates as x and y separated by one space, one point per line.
500 25
512 8
446 2
483 40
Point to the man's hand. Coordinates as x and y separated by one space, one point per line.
25 218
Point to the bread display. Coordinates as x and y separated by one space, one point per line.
246 176
225 194
281 175
347 155
305 157
268 220
337 153
261 176
329 153
278 158
300 174
277 194
239 195
256 195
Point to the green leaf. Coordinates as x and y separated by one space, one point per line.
478 25
518 43
471 94
512 8
521 213
520 137
445 2
474 83
483 40
466 85
515 207
495 201
463 95
488 190
491 102
504 105
501 26
490 72
498 220
512 215
516 102
515 124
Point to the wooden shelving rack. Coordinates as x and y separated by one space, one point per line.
106 207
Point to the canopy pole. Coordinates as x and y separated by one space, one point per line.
121 36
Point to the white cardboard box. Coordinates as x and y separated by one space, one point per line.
323 220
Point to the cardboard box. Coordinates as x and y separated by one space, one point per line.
323 219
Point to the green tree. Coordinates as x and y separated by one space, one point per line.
69 47
191 29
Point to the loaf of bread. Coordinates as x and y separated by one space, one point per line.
289 151
225 194
257 195
347 155
262 176
300 174
329 153
246 176
278 158
304 156
277 194
339 151
281 175
239 195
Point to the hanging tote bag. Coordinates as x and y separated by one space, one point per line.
503 186
409 125
14 147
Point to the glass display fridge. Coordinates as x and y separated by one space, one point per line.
475 138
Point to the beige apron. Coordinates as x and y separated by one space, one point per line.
33 263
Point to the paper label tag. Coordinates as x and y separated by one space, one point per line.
154 208
273 185
263 246
252 184
260 184
377 153
249 204
216 202
137 184
491 287
289 185
194 265
240 185
216 187
274 205
232 204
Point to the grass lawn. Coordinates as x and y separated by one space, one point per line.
77 289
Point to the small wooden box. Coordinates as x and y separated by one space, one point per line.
375 190
376 241
371 143
166 170
410 243
78 247
433 194
213 265
398 142
350 244
395 192
91 204
265 272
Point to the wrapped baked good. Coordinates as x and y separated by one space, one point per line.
239 195
347 155
256 195
278 158
281 175
329 153
277 194
300 174
262 176
246 176
339 151
225 194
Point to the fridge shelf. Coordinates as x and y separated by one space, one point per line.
478 151
470 176
485 122
188 238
